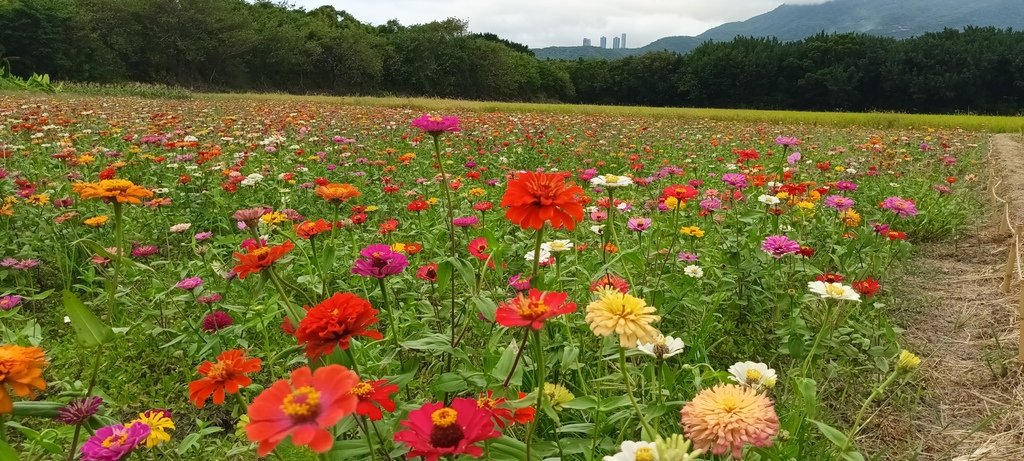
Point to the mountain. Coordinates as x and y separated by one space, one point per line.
887 18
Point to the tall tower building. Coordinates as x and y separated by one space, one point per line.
604 42
586 42
615 43
623 42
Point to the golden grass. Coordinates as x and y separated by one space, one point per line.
985 123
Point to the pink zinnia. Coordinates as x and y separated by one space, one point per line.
638 224
839 202
379 261
736 180
903 208
217 320
727 417
434 430
779 245
466 221
435 125
113 443
787 141
189 283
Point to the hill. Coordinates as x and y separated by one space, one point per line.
885 18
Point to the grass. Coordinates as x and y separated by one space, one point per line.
887 120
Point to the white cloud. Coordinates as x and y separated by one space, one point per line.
540 23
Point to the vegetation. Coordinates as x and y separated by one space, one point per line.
234 45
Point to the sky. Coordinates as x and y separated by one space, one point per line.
541 23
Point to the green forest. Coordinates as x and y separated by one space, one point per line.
233 45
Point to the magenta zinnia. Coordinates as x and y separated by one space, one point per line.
728 417
434 430
379 261
435 125
779 245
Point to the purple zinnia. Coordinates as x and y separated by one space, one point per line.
112 443
217 320
711 204
902 207
9 302
779 245
638 224
189 283
839 202
435 125
379 261
793 158
688 257
78 411
466 221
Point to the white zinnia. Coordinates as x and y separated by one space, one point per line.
693 271
754 375
544 256
630 450
768 199
598 229
833 290
556 246
252 179
611 180
662 347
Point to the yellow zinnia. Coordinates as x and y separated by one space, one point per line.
159 423
96 221
622 314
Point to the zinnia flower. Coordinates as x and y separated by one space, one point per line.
727 417
159 422
620 313
309 229
533 199
434 430
189 283
379 261
902 207
867 287
635 451
21 368
302 407
638 224
79 411
112 443
374 396
502 413
609 281
754 375
662 347
466 221
533 310
112 191
260 257
611 180
216 320
227 376
833 290
427 272
779 246
338 193
435 125
8 302
557 395
334 322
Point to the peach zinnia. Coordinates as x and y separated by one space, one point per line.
533 199
21 368
622 314
728 417
302 407
113 190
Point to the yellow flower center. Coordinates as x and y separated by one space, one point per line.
302 402
729 403
834 289
444 417
486 402
532 309
644 454
611 178
362 390
260 252
115 438
218 371
753 376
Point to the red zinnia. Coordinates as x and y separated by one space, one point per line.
427 272
534 309
680 192
867 287
434 430
613 282
830 277
503 414
302 407
533 199
478 248
374 395
334 322
259 258
227 375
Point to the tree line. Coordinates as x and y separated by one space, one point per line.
234 45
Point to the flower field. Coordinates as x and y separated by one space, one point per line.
227 279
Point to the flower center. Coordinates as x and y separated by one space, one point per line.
302 403
532 309
611 178
729 403
362 389
644 454
219 371
486 402
117 438
261 252
446 433
834 289
753 376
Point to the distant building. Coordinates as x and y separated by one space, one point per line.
586 42
623 42
615 43
604 42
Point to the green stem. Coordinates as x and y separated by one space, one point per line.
391 316
293 311
446 193
369 439
860 413
88 392
536 257
539 385
629 392
519 355
112 310
817 340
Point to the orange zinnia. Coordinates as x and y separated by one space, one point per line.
21 368
112 190
228 375
310 229
533 199
259 258
337 192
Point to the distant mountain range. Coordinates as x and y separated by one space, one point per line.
887 18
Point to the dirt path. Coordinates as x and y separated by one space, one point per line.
972 398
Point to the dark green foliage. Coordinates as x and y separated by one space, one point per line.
234 45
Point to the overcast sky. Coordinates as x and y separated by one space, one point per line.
540 23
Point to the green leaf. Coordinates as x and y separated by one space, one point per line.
581 403
504 366
852 456
90 330
485 306
832 434
6 452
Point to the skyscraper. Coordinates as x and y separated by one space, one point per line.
586 42
604 42
615 43
623 42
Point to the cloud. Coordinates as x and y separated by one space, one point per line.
540 23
